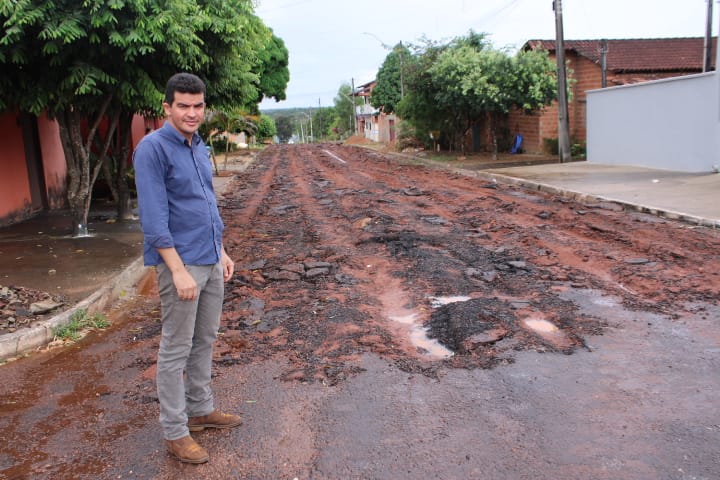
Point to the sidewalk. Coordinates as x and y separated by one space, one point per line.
91 273
689 197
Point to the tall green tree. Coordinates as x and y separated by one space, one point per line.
91 64
273 71
422 116
324 119
467 80
284 125
265 127
390 87
345 103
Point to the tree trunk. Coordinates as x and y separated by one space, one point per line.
78 169
123 147
493 129
212 154
77 157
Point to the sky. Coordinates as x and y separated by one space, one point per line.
336 42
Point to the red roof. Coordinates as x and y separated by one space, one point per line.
640 54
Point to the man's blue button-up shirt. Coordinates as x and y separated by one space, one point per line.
176 199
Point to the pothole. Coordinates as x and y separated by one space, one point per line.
411 322
540 325
548 331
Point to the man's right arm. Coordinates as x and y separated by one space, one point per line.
184 282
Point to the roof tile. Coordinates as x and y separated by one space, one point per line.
640 54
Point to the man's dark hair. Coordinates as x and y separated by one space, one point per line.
183 83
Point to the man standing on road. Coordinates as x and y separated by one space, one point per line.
183 240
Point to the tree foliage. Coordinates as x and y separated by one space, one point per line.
390 86
266 128
274 74
91 64
345 104
453 85
284 126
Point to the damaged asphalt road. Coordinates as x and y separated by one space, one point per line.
392 321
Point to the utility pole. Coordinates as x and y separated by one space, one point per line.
312 139
354 108
708 37
603 62
320 119
563 129
402 81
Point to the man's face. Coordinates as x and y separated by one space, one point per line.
186 112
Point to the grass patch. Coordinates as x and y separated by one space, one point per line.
80 323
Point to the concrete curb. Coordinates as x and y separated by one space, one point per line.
571 194
584 197
40 334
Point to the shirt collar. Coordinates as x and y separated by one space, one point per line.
170 132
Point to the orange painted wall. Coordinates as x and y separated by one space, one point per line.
53 161
14 183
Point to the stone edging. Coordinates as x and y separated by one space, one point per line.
41 333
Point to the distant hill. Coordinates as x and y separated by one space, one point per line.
289 112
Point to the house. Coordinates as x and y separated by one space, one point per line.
33 162
628 61
372 123
670 124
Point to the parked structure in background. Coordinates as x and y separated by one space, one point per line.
370 122
628 61
671 124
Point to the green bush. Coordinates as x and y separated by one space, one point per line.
578 150
551 146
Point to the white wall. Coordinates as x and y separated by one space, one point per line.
671 124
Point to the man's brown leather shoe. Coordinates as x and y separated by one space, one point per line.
215 419
187 450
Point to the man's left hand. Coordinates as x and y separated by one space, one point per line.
228 266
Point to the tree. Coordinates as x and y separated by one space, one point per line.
273 71
284 126
220 122
466 80
345 104
323 122
390 86
91 64
265 127
420 112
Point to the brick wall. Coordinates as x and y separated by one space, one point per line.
584 75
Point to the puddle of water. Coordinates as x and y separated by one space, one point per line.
408 319
547 330
419 338
437 302
540 325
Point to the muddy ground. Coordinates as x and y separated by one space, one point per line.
390 321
